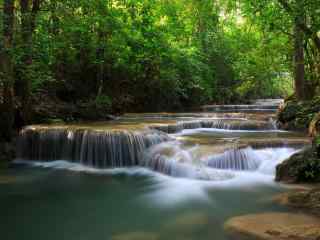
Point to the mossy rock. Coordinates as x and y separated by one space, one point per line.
314 127
297 115
301 167
289 111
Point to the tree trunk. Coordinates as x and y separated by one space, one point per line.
100 70
299 78
100 52
28 18
6 73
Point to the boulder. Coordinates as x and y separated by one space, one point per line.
297 115
300 167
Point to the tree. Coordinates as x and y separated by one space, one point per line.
299 38
6 72
29 11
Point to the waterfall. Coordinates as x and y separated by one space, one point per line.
271 107
147 148
168 158
172 159
236 159
227 124
99 149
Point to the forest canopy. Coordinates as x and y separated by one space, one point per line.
156 55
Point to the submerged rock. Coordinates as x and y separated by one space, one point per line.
188 225
307 200
271 226
135 236
189 220
7 179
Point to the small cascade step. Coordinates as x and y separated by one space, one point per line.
226 124
236 159
277 102
223 145
240 108
259 105
101 149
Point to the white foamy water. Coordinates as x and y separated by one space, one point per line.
199 130
192 181
189 181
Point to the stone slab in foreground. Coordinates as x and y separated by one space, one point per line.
272 226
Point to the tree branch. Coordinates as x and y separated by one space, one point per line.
302 25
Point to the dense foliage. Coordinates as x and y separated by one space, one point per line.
152 55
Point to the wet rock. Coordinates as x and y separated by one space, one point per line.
190 220
301 167
306 200
271 226
136 236
297 115
7 152
7 179
314 127
188 225
288 112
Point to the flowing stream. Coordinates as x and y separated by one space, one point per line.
162 176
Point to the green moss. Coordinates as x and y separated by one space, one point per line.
297 114
301 167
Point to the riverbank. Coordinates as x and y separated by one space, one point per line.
301 174
271 226
302 222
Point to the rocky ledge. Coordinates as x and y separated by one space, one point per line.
271 226
303 224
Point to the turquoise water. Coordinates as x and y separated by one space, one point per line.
46 203
61 200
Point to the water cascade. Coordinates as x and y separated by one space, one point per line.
172 159
213 148
241 108
99 149
175 159
236 159
227 124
